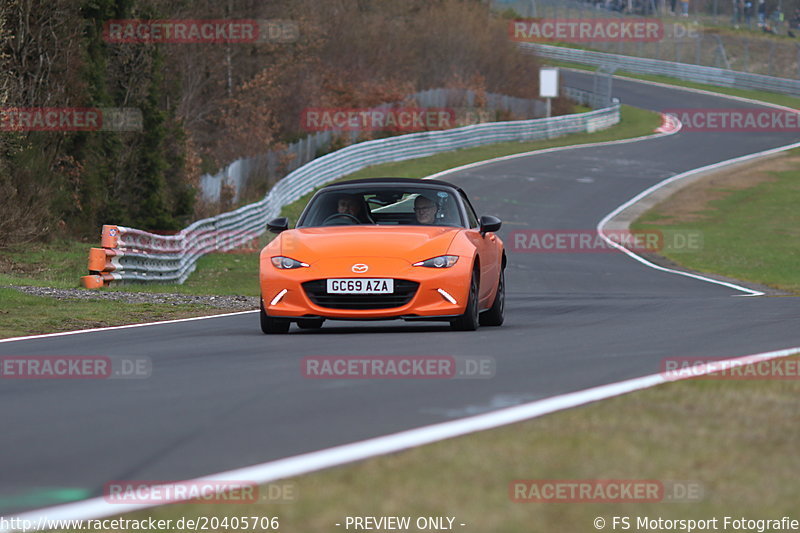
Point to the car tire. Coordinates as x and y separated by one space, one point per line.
310 323
469 320
495 315
271 325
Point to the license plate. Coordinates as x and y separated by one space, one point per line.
360 286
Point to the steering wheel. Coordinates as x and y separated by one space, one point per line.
334 216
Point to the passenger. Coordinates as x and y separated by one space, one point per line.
425 210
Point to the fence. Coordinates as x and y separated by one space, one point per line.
269 167
132 255
685 39
682 71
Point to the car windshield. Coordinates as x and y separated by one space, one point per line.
383 206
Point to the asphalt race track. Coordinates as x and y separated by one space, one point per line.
222 395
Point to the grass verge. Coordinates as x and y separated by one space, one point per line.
61 264
748 220
736 440
24 314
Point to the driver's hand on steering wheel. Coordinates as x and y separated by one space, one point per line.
347 217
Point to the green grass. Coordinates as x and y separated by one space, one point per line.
634 123
735 439
773 98
23 314
61 264
749 234
47 265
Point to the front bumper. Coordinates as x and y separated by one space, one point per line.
284 296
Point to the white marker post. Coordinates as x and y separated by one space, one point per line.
548 86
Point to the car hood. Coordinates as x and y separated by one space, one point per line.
411 243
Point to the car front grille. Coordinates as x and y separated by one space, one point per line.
404 290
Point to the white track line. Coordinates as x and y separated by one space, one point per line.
547 151
643 194
357 451
647 192
126 326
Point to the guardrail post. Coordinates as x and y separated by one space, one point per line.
698 49
798 59
771 57
746 55
723 54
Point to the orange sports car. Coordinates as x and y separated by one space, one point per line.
384 248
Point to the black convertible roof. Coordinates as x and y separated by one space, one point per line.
389 181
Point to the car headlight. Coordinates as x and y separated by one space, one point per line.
443 261
286 263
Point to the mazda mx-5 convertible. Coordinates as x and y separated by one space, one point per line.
384 248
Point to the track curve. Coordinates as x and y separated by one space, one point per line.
223 396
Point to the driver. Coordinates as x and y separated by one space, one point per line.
349 205
425 210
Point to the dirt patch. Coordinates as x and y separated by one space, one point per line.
691 203
11 267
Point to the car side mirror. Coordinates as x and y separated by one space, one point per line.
277 225
490 224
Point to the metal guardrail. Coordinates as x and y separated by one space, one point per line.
683 71
266 168
588 98
132 255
